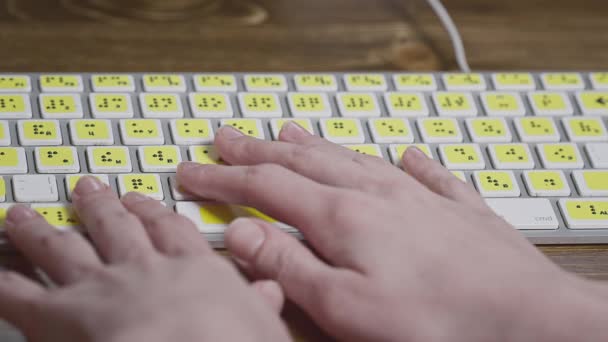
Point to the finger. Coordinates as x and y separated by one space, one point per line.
312 157
272 254
438 179
271 293
65 256
282 194
17 294
171 234
117 234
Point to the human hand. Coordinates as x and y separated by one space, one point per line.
414 256
152 278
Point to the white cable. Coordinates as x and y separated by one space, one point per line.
448 24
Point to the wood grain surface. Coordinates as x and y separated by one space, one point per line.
313 35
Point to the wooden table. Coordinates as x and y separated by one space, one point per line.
313 35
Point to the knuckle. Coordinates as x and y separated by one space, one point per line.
111 217
303 154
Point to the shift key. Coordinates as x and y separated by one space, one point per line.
525 213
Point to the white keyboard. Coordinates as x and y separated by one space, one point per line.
534 145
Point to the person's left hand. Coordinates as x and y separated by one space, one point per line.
152 277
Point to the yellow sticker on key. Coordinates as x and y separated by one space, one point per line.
586 127
440 128
315 81
56 156
546 180
502 102
163 81
549 102
142 183
489 128
8 157
308 102
141 128
464 79
495 180
110 157
112 81
596 180
208 102
512 80
342 128
40 130
12 104
59 104
215 82
59 81
369 149
511 153
453 101
248 127
560 153
161 155
587 210
461 154
390 127
161 103
14 83
59 216
193 128
204 154
91 129
260 103
414 81
111 103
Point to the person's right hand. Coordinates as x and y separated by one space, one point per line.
414 256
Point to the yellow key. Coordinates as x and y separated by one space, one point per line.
111 103
585 129
14 106
91 132
406 104
250 127
502 104
265 83
369 149
462 157
342 130
260 105
2 190
109 159
488 130
60 83
546 183
204 154
142 183
277 124
215 82
591 182
366 82
210 105
511 156
567 80
358 104
417 82
112 83
593 102
514 81
454 104
61 106
15 83
61 159
390 130
560 156
397 151
301 103
9 157
159 158
315 82
34 132
141 131
439 130
464 81
59 216
496 184
192 131
161 106
599 80
532 129
217 214
581 214
546 103
164 82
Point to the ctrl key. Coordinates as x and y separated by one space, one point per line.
585 213
525 213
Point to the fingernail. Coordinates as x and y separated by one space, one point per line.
135 197
87 185
229 132
291 130
18 213
187 166
244 238
415 152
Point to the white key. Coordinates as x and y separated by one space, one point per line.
545 103
67 83
215 82
35 188
15 83
210 105
265 82
525 213
56 159
365 82
176 193
71 180
358 104
546 183
60 106
415 82
12 160
260 105
112 83
111 105
315 82
562 81
582 213
15 106
147 184
307 105
159 83
502 103
5 135
406 104
161 105
591 183
598 154
39 132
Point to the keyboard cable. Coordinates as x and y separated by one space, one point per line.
450 27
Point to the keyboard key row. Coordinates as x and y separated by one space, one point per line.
307 82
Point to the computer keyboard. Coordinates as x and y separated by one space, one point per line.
534 145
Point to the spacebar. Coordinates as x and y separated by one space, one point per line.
525 213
